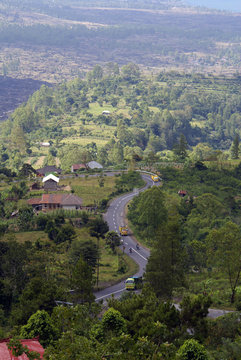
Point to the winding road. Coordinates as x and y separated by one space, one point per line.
115 217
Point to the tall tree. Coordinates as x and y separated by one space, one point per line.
165 270
225 252
82 283
235 148
180 149
147 211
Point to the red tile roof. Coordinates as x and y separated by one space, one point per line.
32 344
34 201
78 166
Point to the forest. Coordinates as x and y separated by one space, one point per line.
146 117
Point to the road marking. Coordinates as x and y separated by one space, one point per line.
139 254
115 292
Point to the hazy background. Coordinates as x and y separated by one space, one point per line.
232 5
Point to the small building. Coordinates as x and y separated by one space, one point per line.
45 144
35 186
94 165
182 193
77 167
56 201
48 169
31 344
106 112
50 182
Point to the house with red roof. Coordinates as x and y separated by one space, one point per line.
56 201
31 344
76 167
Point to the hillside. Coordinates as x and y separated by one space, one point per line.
59 41
117 112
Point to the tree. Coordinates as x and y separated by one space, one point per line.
81 282
165 270
39 324
114 322
194 311
27 170
25 217
39 293
98 229
192 350
147 211
180 149
87 250
225 252
235 148
112 239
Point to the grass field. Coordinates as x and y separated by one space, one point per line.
88 188
96 109
84 140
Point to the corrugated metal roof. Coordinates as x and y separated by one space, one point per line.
94 165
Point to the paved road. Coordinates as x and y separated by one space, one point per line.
115 218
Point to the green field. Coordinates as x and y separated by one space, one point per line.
88 188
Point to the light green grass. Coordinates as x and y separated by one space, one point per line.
96 109
88 188
83 141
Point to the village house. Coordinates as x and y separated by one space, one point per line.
50 202
94 165
77 167
50 182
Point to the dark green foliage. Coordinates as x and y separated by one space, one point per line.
165 269
147 212
192 350
235 148
98 227
113 240
128 181
81 282
194 311
180 149
39 293
87 250
27 170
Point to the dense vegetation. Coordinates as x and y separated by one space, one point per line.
145 116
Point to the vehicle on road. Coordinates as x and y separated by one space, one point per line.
123 230
133 283
155 178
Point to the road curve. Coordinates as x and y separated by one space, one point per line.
115 216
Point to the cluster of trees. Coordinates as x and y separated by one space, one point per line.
200 231
188 113
134 327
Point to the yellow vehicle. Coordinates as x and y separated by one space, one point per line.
155 178
133 283
123 230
